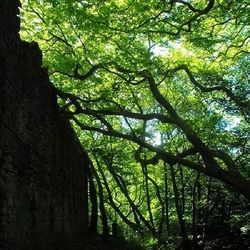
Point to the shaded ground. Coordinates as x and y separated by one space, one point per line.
97 243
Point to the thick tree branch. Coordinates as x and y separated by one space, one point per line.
130 223
236 99
121 112
235 180
162 154
193 9
187 130
76 75
200 13
227 160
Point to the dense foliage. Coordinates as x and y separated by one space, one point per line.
158 92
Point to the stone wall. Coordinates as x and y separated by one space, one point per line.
43 181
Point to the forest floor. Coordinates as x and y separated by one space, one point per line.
98 243
87 242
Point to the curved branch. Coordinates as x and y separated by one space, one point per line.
77 75
187 130
234 180
200 13
121 112
236 99
133 225
125 113
162 154
192 8
86 75
227 160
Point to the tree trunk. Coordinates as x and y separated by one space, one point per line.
134 226
194 211
94 204
166 198
145 172
105 227
184 235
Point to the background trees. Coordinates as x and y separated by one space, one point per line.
160 90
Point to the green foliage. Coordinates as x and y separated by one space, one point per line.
107 57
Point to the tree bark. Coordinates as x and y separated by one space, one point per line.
105 227
94 204
184 235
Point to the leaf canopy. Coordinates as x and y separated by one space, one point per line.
168 79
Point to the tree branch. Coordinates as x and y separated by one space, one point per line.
236 99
